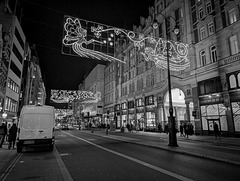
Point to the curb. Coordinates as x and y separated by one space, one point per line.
175 151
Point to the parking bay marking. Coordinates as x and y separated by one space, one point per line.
135 160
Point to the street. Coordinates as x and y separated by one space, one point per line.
88 156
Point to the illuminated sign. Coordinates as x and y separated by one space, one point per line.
94 40
65 96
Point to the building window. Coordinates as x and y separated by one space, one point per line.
202 33
200 11
203 58
210 28
233 44
232 16
232 81
213 52
209 7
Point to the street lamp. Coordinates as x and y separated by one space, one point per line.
4 115
172 126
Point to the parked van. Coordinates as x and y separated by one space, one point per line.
36 127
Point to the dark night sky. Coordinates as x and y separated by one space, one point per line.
42 24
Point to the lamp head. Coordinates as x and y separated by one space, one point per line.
4 115
176 30
155 24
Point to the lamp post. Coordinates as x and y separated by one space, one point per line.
172 124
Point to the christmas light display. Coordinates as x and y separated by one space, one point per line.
60 113
93 40
65 96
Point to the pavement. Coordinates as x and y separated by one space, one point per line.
6 155
226 149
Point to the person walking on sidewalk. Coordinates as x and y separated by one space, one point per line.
12 136
3 133
216 131
181 129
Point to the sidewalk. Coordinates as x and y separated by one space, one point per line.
6 155
226 149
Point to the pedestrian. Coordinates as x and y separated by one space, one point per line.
216 131
12 136
128 127
8 127
166 128
159 128
186 129
3 133
181 129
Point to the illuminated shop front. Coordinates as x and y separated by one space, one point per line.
212 106
117 116
150 112
234 94
124 114
140 113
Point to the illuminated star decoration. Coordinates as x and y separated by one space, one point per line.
65 96
152 48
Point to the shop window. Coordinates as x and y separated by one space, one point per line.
238 79
232 81
130 104
209 86
149 100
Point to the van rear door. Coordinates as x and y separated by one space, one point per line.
36 126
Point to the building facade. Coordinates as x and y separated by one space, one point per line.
14 53
141 91
205 93
90 110
216 38
18 65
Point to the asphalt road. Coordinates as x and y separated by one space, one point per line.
89 157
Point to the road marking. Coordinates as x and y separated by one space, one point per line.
64 154
121 138
135 160
10 167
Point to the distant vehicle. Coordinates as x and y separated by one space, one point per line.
36 127
65 127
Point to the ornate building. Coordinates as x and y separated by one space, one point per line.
204 93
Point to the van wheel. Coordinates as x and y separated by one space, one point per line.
51 148
19 149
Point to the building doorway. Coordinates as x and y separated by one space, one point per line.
179 106
211 123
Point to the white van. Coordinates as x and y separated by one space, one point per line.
36 127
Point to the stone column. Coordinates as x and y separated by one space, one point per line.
187 111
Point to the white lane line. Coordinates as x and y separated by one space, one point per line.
135 160
10 167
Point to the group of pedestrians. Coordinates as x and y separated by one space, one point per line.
8 133
186 129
